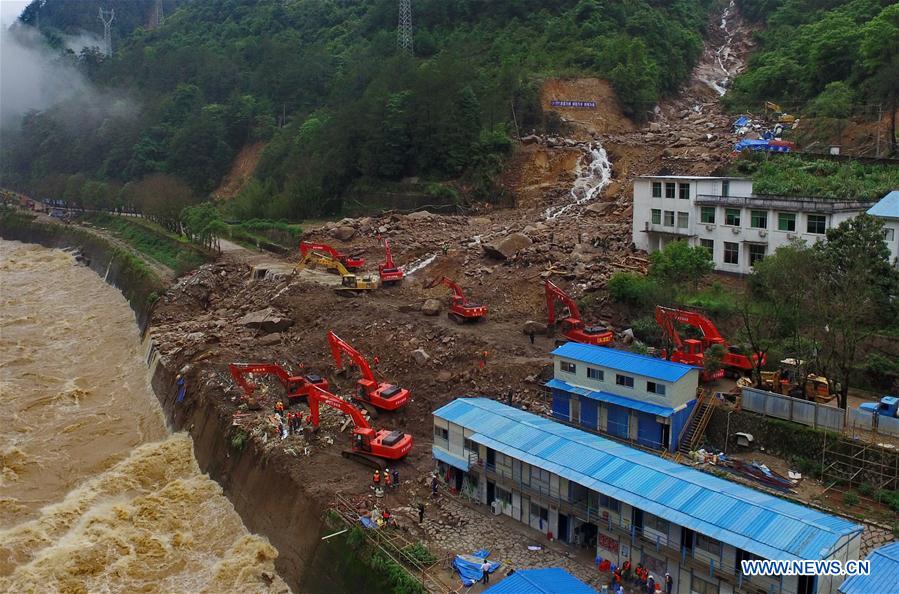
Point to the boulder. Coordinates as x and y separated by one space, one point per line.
530 139
420 356
601 208
508 246
534 327
419 215
343 233
270 340
267 320
478 221
444 376
431 307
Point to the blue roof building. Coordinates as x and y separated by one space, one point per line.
888 210
552 580
884 576
630 504
633 397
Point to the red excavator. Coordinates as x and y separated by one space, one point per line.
294 386
573 327
352 262
370 446
370 391
389 272
690 350
461 309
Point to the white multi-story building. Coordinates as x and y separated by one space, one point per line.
723 215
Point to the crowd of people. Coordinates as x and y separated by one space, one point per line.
640 577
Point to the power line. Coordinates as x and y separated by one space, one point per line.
404 28
159 15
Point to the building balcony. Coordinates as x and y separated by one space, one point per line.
668 231
787 203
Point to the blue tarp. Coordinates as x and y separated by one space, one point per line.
469 566
741 121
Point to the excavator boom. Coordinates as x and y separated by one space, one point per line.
461 309
573 327
379 394
348 280
351 262
295 387
388 270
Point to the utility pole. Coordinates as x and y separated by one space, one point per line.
879 118
404 28
106 17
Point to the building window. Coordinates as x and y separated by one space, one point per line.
539 516
610 503
469 445
656 216
683 220
707 214
684 191
759 219
725 188
889 234
708 244
700 586
731 253
568 367
597 374
503 495
786 221
756 253
669 218
656 523
732 217
707 544
441 433
670 190
656 189
624 380
655 388
816 224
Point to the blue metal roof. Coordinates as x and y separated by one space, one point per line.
887 207
551 580
751 520
884 576
647 407
450 459
623 361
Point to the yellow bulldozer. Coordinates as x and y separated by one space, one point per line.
348 280
787 380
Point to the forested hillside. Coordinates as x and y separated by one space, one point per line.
339 106
827 58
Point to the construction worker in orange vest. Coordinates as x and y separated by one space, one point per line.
376 478
387 479
279 408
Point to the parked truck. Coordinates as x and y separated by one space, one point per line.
887 407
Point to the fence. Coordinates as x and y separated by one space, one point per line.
797 410
869 422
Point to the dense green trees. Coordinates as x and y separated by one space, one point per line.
830 52
323 83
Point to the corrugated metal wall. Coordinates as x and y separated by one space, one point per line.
793 409
618 420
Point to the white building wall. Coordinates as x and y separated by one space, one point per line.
676 393
891 236
732 231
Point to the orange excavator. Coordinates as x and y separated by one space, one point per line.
389 272
370 446
294 386
352 262
573 327
691 350
370 391
461 309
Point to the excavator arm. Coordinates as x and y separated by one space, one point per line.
709 332
307 247
318 396
458 295
340 347
388 255
553 294
239 371
665 317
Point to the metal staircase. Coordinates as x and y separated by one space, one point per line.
699 420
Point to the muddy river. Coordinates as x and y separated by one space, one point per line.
96 495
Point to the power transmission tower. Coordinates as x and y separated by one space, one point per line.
159 16
404 29
106 17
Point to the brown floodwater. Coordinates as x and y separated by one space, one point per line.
96 495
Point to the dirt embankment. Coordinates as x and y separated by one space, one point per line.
242 168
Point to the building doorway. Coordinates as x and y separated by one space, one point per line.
563 528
